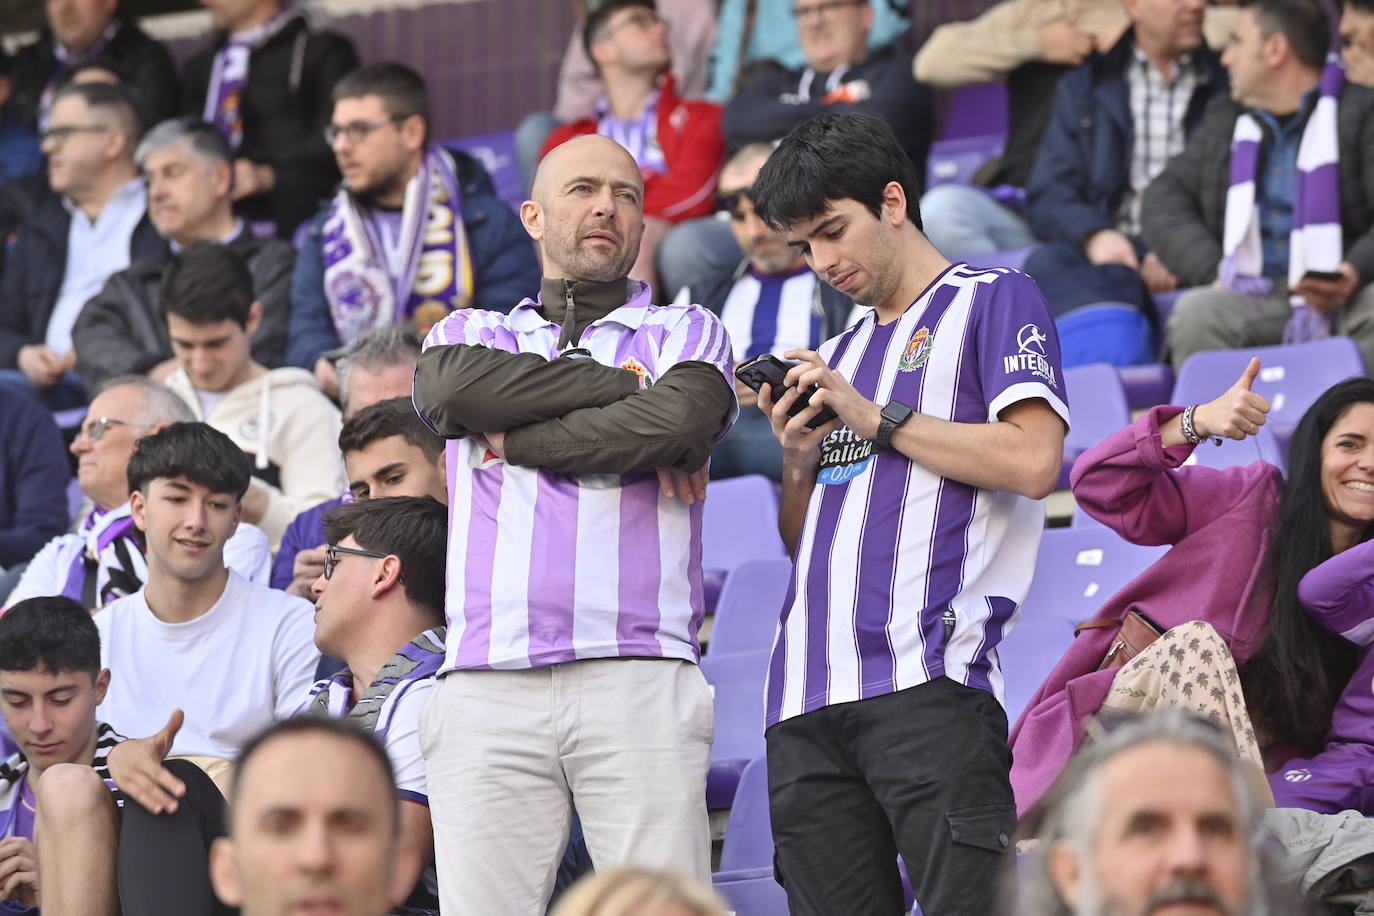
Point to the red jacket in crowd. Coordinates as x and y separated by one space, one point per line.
693 146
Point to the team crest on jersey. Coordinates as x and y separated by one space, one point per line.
917 351
844 456
638 369
481 456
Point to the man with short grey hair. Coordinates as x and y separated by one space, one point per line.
1157 814
189 168
377 366
103 558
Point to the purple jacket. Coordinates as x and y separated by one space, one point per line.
1219 523
1339 594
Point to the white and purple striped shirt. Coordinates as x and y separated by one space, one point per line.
773 313
546 568
892 555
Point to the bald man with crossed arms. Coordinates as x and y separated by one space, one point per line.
579 426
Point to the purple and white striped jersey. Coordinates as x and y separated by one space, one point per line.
892 555
546 568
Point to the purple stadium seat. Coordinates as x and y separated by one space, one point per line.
1027 656
1164 304
956 161
1078 569
749 606
974 111
1232 453
745 878
737 683
1097 403
496 152
1147 385
739 523
1013 258
1291 376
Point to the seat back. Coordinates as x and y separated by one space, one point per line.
737 683
739 523
749 607
1291 376
1097 400
749 833
1027 656
1080 568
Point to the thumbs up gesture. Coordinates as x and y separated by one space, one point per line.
1238 413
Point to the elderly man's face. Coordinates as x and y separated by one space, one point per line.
588 210
833 32
1170 839
185 192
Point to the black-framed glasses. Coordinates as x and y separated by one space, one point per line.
728 201
643 19
334 553
824 8
95 428
60 135
357 131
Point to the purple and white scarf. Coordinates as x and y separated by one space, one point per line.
436 276
111 554
1315 241
638 135
65 59
229 75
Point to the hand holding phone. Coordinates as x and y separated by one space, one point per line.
768 368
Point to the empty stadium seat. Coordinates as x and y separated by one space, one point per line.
745 878
739 523
956 161
1291 376
975 110
1027 656
1079 568
1238 453
737 683
1146 385
749 607
1097 403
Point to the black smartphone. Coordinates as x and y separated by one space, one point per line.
1328 275
768 368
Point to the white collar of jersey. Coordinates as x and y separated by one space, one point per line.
526 317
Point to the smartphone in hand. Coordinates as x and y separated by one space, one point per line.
768 368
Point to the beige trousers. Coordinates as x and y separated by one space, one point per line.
510 754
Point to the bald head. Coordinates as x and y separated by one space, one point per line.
739 170
573 156
587 210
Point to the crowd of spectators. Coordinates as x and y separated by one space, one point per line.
337 488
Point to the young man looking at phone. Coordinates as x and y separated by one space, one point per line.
914 523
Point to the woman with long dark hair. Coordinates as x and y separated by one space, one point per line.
1227 593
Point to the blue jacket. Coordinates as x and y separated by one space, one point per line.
34 471
306 532
1084 164
505 269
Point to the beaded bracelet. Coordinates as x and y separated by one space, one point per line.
1189 432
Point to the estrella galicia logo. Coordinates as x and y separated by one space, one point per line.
1031 355
844 456
917 351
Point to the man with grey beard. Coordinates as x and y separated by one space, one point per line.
1154 818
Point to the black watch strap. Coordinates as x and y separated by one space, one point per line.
893 415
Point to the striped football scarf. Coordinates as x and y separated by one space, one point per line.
1315 241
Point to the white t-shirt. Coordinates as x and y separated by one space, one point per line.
240 666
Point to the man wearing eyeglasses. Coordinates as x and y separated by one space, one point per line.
677 144
92 223
770 303
415 231
103 559
265 82
840 75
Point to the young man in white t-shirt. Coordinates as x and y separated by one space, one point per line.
233 655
